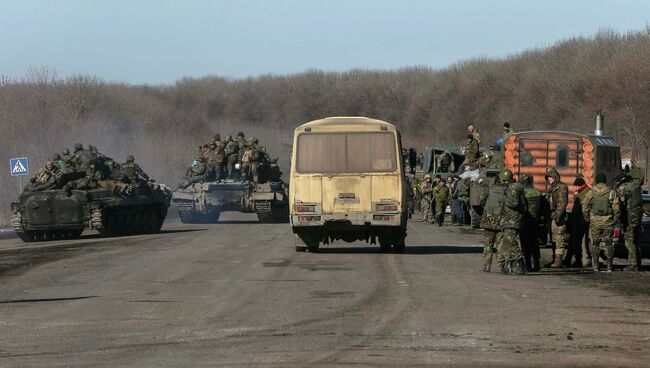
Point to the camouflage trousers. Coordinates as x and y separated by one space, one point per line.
559 238
440 211
630 243
491 240
425 209
601 233
509 246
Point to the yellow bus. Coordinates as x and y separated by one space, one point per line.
347 183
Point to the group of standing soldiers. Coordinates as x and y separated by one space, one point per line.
513 212
436 194
232 158
85 168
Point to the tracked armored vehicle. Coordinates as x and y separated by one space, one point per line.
60 214
204 202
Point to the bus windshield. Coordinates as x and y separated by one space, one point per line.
346 153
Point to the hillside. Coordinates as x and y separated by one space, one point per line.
558 87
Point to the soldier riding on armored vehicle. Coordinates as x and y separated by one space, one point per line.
91 191
233 175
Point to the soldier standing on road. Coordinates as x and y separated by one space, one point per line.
511 224
557 198
463 198
629 192
441 198
470 151
579 226
491 224
452 184
426 195
529 239
602 210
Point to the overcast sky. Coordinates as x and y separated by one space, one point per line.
162 41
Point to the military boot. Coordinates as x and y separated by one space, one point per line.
557 262
535 266
588 264
596 266
610 264
517 268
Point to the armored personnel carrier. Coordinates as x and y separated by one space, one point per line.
203 202
60 214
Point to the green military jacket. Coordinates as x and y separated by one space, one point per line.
629 193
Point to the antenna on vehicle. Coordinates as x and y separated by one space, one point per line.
600 123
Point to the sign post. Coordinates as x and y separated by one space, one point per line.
19 166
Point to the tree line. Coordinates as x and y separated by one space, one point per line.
555 87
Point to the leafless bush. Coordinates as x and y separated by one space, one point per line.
555 87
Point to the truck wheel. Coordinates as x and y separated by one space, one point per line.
311 241
26 236
400 244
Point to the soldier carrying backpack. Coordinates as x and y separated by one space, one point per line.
601 208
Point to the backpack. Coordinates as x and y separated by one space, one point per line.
494 205
601 205
495 200
534 201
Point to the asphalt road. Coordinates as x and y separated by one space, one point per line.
237 294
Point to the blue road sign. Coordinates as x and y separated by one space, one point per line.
19 166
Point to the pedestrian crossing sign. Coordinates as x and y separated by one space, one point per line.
19 166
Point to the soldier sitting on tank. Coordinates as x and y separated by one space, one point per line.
132 171
196 173
65 155
48 177
90 181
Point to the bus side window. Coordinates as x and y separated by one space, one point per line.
562 157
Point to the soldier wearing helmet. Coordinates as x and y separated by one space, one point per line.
426 197
250 161
514 207
529 239
133 171
232 154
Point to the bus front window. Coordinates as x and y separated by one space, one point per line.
346 153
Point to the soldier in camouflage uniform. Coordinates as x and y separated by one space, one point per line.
557 198
65 155
426 195
463 198
511 224
629 192
133 171
491 224
196 173
241 144
529 239
47 177
232 154
602 210
441 199
470 151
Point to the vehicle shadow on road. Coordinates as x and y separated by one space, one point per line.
40 300
414 250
